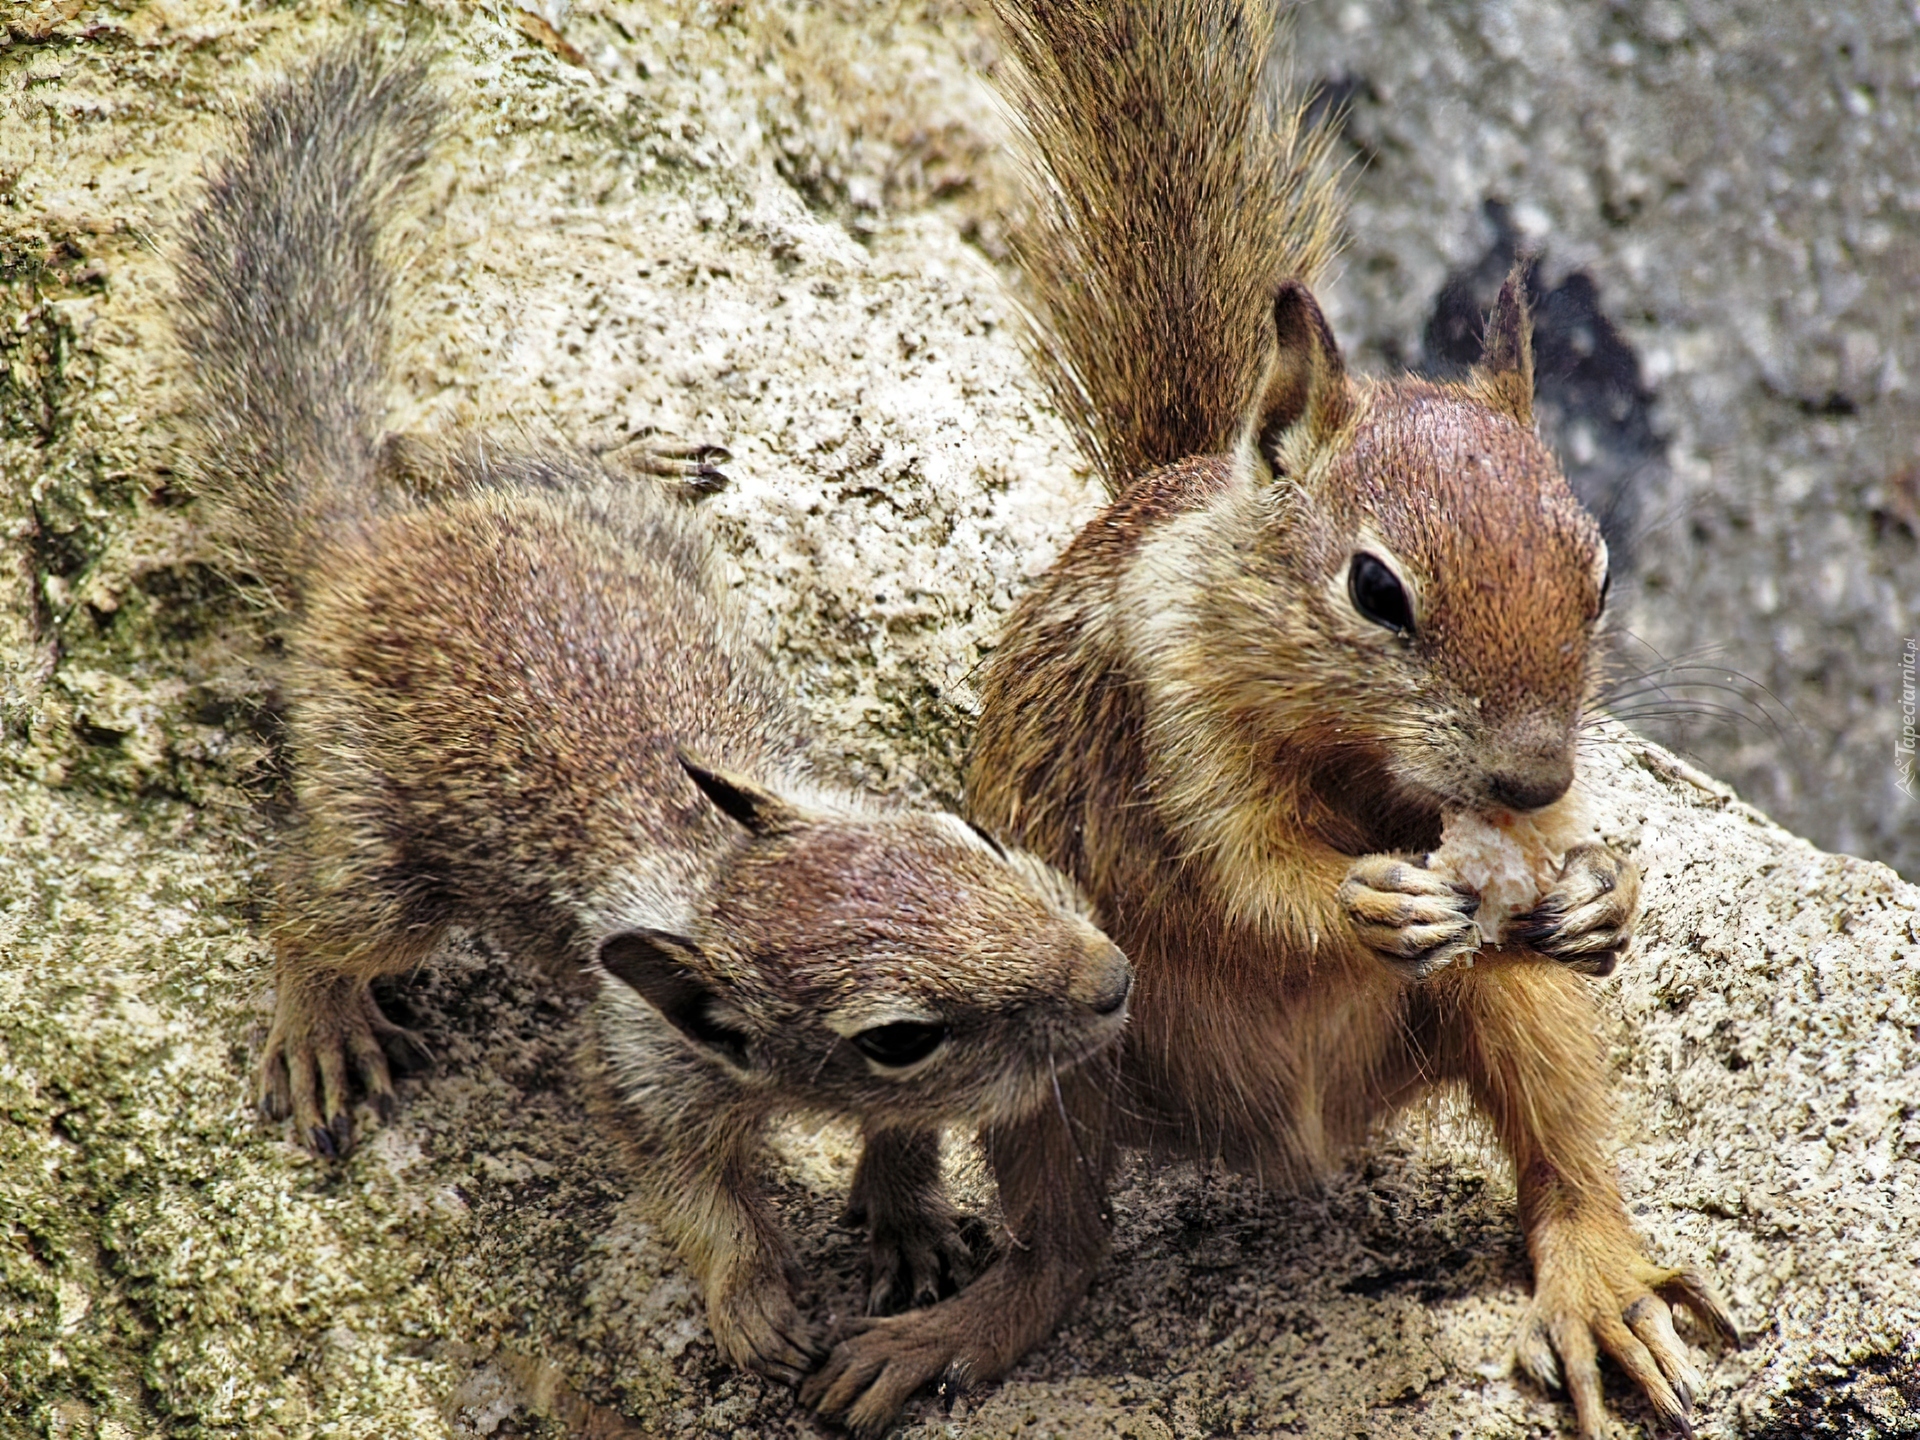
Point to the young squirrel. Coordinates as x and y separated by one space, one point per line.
1321 615
499 670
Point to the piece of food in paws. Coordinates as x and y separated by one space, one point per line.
1510 859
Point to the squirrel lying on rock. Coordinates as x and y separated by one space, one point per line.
515 700
1322 617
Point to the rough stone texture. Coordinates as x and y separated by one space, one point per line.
1737 183
753 221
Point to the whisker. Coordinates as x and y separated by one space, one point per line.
1695 660
1680 688
1680 704
1685 712
1685 705
826 1056
1706 675
1662 687
1672 709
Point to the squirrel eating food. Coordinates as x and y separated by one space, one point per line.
515 699
1320 615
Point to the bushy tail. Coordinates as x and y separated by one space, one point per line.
283 302
1177 184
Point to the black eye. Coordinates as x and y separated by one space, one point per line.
1377 593
903 1043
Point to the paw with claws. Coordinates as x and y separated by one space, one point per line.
694 463
873 1372
917 1242
914 1257
1413 919
1586 920
321 1042
1623 1307
755 1322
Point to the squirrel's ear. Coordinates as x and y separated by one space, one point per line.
663 969
1308 382
1503 380
750 803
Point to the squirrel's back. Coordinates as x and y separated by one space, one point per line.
283 304
1176 185
509 672
493 652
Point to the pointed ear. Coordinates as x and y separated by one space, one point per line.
1503 379
664 969
1308 382
751 804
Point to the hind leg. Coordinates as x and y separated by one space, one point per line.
695 464
331 941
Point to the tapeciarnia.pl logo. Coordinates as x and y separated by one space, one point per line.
1903 747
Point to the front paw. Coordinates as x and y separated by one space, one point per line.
915 1257
322 1039
1586 920
756 1324
871 1374
694 463
1414 920
1622 1305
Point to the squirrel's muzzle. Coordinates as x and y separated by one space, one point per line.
1530 789
1103 979
1532 765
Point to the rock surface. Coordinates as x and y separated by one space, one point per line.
750 221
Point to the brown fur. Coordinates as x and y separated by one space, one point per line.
517 700
1193 715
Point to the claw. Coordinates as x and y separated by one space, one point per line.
756 1325
325 1040
1417 922
1689 1288
914 1258
695 464
406 1050
1534 1351
1598 966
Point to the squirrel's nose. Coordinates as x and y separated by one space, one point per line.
1530 762
1105 980
1529 789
